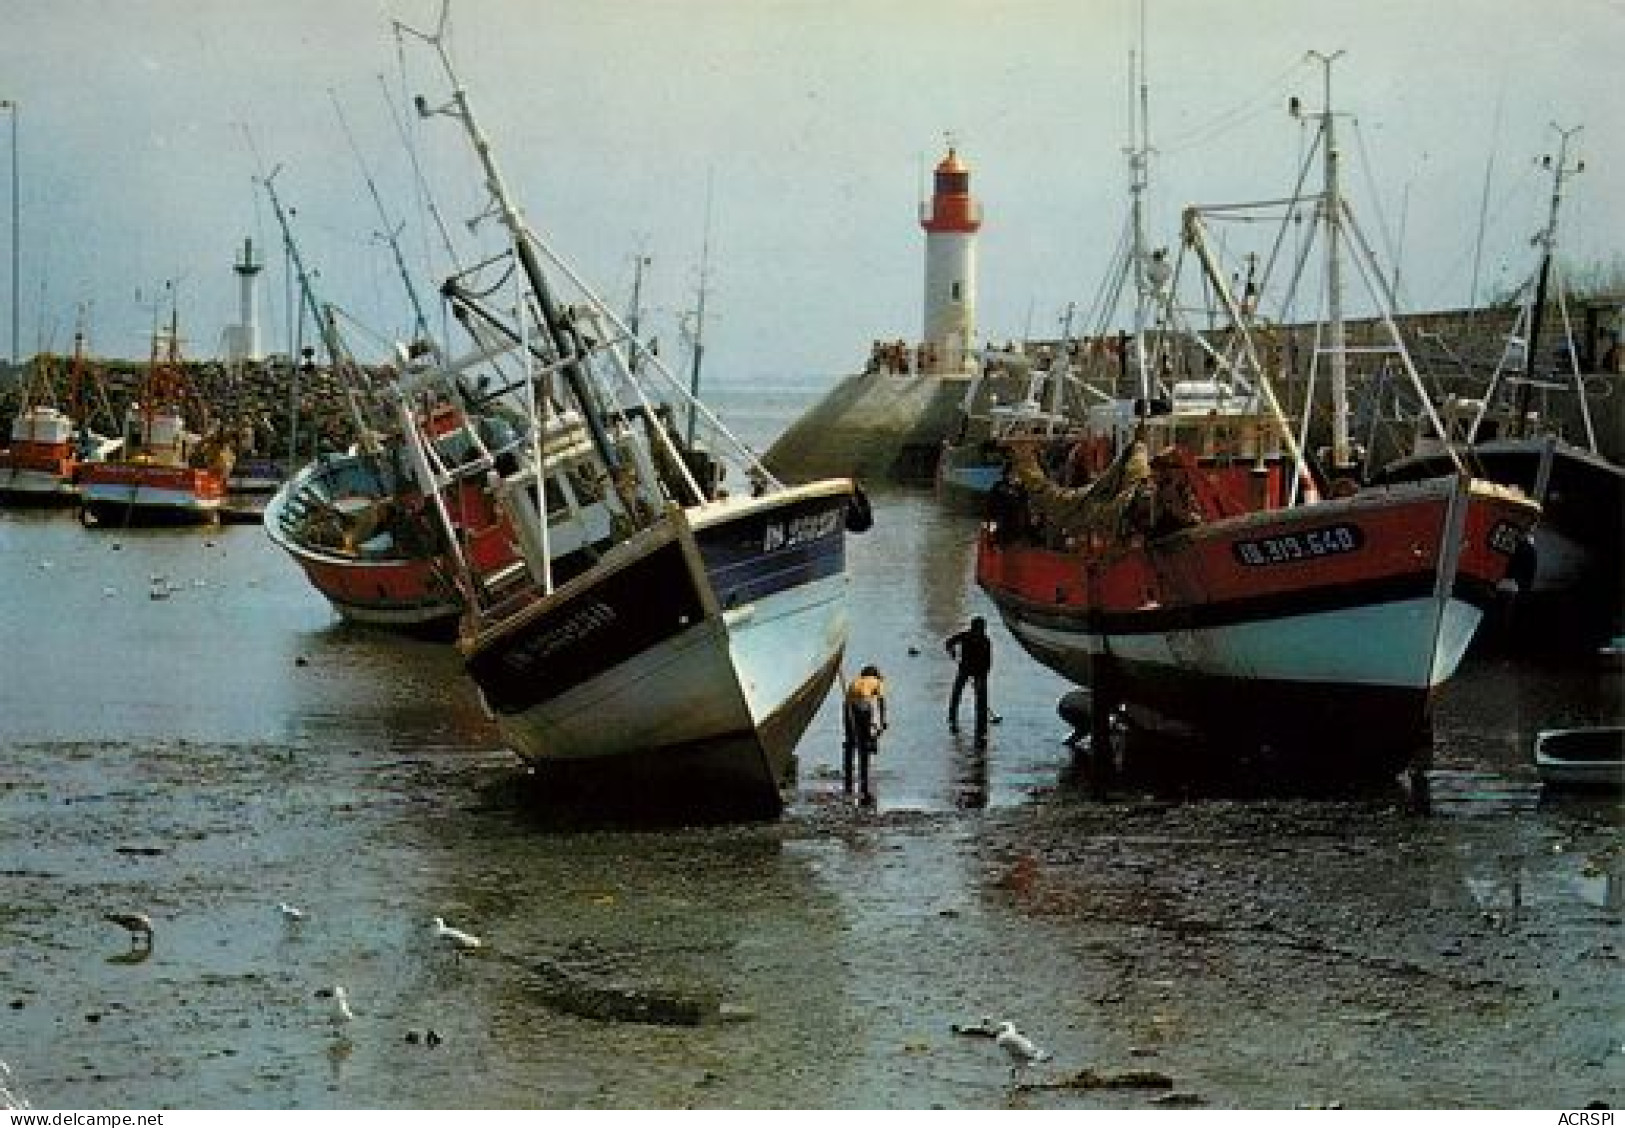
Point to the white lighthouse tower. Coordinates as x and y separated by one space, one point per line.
951 219
243 338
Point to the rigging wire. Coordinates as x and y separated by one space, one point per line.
1390 243
1492 211
391 232
425 196
1264 98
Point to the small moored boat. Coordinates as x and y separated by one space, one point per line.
1592 757
166 472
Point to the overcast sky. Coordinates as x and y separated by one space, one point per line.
143 124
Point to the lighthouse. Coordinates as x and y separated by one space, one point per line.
951 218
243 339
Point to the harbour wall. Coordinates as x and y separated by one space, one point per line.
879 425
884 426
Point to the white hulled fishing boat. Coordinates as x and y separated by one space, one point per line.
166 472
50 442
676 614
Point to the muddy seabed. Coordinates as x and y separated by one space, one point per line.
1267 953
205 757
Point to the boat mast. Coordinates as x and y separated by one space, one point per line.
291 249
699 318
391 232
635 315
1336 334
1548 247
1139 175
561 333
322 317
1060 370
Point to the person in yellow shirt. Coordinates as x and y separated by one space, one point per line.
865 720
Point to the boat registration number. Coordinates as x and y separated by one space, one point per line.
1311 544
801 530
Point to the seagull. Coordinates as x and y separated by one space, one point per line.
1018 1048
289 913
455 938
986 1028
138 925
341 1012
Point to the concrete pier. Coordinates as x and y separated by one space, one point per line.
873 427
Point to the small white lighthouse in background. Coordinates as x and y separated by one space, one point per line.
951 219
243 339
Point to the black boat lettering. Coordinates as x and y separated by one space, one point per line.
579 625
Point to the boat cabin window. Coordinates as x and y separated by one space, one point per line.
558 506
587 486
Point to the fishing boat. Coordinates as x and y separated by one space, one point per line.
1590 757
258 476
165 472
357 523
1573 585
348 522
1067 403
40 465
1014 398
1212 578
676 615
360 528
249 489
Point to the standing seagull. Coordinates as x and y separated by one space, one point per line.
341 1007
138 925
1018 1048
339 1011
454 938
289 913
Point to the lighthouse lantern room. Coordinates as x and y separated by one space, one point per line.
951 218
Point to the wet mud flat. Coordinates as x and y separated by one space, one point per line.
1224 953
204 757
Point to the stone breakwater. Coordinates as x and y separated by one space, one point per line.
262 403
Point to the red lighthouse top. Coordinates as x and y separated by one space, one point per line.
951 207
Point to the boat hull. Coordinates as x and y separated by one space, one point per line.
1582 758
694 654
409 594
377 577
966 474
1574 594
250 476
1324 629
38 473
26 486
140 493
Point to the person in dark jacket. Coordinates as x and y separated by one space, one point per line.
974 652
1007 508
